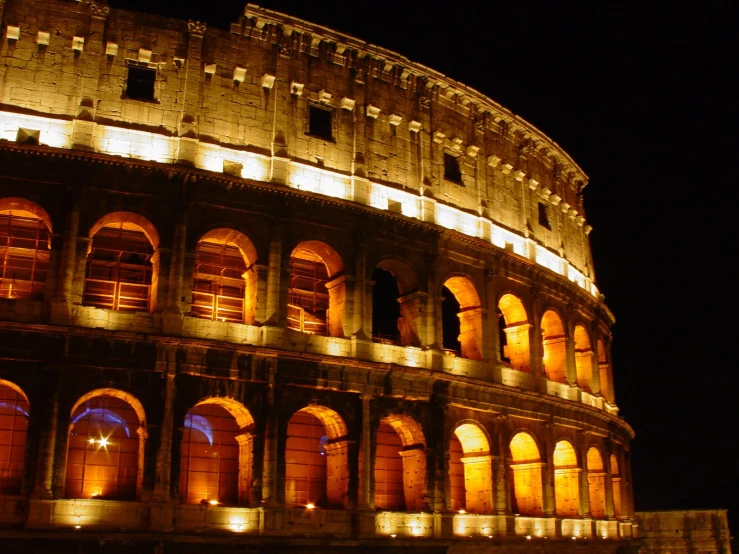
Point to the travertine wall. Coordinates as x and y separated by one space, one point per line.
684 531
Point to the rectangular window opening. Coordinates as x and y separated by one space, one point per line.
140 83
320 122
544 216
451 169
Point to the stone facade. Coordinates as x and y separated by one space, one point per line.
684 531
291 148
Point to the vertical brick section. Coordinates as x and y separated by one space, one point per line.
276 297
43 485
167 366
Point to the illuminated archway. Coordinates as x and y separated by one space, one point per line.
596 483
122 266
400 464
604 371
224 283
583 359
470 470
515 336
555 347
396 292
25 244
616 480
105 451
216 453
526 478
317 290
14 413
566 480
469 315
316 458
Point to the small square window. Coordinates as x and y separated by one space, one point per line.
451 169
140 83
544 216
320 122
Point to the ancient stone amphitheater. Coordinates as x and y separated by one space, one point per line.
275 289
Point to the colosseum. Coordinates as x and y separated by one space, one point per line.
276 289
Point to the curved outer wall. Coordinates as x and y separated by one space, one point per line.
288 141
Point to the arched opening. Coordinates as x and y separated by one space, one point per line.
566 480
460 299
14 413
596 483
604 371
317 292
400 464
316 459
555 347
216 453
526 476
25 243
385 307
515 347
470 470
583 359
616 480
224 287
106 446
121 264
397 305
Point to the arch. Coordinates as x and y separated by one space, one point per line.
566 480
526 475
469 315
217 452
596 483
555 347
14 413
470 470
400 464
105 450
129 221
604 371
24 208
317 292
224 284
514 343
583 358
122 265
405 275
616 481
25 245
316 458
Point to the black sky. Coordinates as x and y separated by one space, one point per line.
644 97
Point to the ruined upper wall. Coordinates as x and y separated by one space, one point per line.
249 91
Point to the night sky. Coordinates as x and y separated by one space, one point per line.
644 97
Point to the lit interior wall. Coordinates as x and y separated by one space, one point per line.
555 347
616 480
412 455
526 470
209 462
566 480
596 483
604 370
14 413
25 243
583 359
388 469
105 448
316 459
476 495
516 332
122 269
411 306
470 316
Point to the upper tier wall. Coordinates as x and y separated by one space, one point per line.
250 90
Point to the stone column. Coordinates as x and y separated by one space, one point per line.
548 497
366 481
188 125
502 500
610 508
167 365
271 434
176 267
433 306
67 260
584 482
43 483
273 313
362 325
536 345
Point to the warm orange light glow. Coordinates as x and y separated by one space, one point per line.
213 502
566 480
310 505
515 336
596 483
583 359
470 316
555 347
527 494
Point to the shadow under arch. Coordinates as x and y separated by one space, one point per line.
469 315
400 464
515 343
554 341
